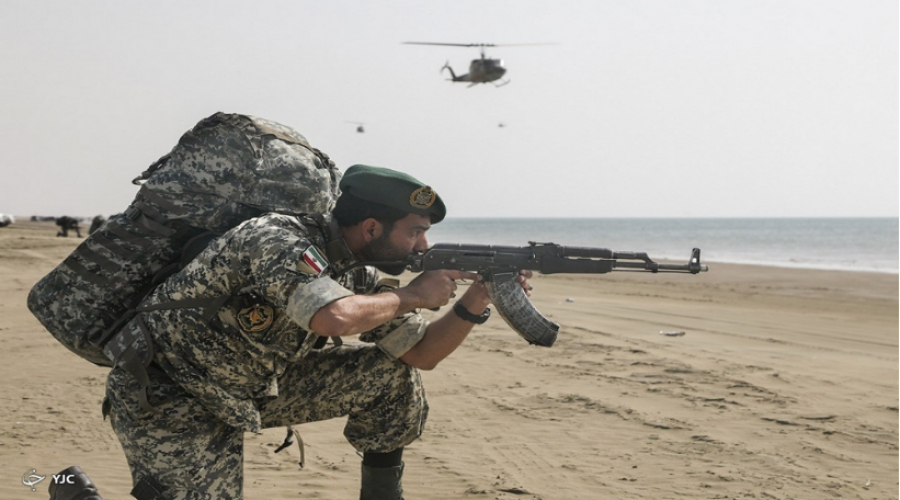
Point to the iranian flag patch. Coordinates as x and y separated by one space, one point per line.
314 259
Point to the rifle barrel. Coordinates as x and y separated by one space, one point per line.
657 267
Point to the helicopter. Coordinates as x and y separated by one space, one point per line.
360 127
482 70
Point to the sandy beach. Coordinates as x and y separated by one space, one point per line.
771 383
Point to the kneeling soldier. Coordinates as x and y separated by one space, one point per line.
237 339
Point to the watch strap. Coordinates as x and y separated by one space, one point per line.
464 314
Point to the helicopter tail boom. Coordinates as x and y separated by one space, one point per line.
453 77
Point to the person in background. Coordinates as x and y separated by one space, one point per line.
67 223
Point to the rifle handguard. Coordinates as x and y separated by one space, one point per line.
519 313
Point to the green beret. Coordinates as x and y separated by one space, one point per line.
394 189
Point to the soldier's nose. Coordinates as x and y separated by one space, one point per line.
421 244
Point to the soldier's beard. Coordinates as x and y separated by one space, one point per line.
381 250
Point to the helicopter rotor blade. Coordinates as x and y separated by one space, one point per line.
452 44
479 44
524 44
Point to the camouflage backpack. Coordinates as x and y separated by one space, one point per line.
227 169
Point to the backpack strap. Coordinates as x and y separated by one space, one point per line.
121 347
189 251
118 343
123 351
210 305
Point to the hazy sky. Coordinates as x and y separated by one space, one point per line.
641 108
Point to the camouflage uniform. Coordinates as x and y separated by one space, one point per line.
252 363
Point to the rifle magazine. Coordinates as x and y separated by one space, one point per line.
519 313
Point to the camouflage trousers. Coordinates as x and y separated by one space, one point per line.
194 456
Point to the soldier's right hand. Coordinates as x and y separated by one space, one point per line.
433 289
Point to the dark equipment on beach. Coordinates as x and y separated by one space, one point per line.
482 70
67 224
96 222
499 267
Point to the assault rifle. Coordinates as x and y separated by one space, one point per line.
499 267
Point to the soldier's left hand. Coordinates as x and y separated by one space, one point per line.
522 279
476 297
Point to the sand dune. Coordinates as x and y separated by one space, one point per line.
783 385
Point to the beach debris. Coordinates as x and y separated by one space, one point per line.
779 421
868 483
570 299
672 333
821 418
515 491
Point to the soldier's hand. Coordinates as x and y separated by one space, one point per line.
436 288
522 279
477 299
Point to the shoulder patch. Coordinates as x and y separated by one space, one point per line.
303 267
314 260
256 318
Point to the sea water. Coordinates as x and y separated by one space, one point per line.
855 244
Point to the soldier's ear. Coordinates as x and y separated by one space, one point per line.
372 229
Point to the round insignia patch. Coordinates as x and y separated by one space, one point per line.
423 197
256 318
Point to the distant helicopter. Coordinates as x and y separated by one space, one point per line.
483 70
360 127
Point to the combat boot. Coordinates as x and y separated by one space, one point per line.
381 483
81 488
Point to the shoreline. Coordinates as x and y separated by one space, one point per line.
677 260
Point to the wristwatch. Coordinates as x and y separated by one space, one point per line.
463 313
